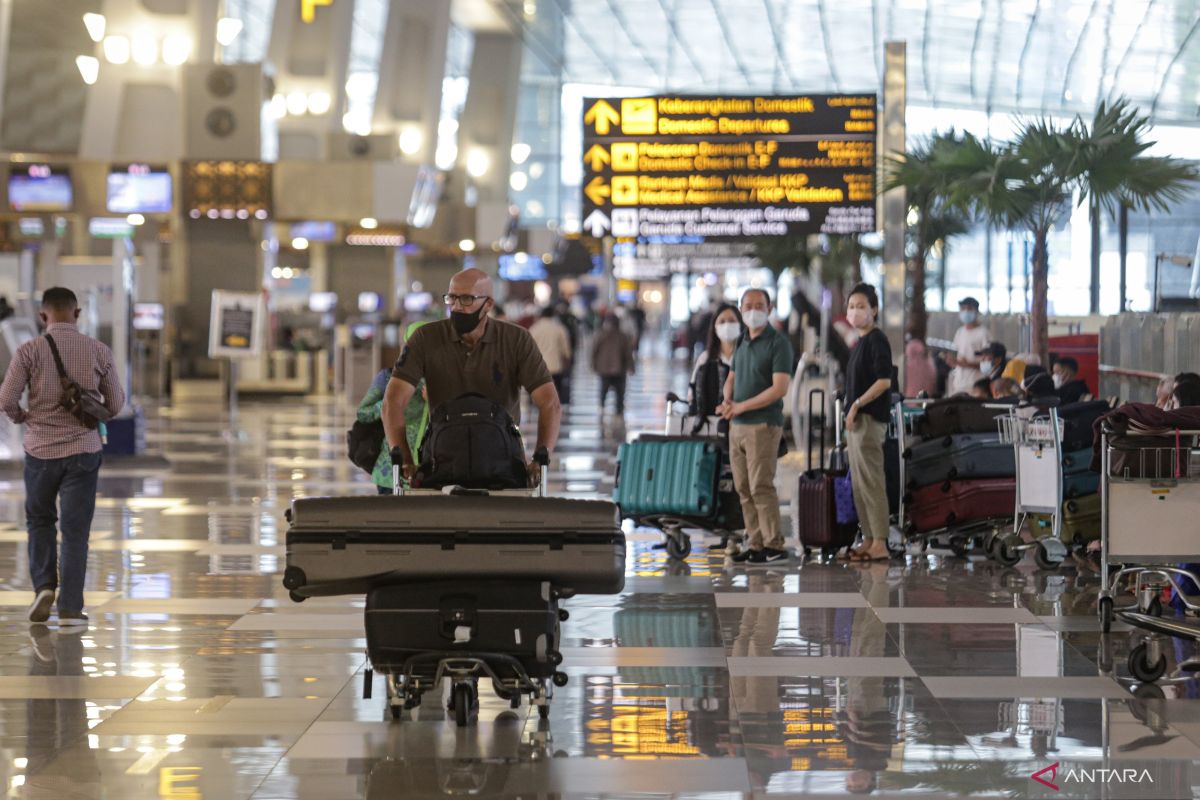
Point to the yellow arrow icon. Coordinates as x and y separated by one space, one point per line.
597 190
308 8
603 115
597 156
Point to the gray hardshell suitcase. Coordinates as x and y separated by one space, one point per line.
962 456
347 545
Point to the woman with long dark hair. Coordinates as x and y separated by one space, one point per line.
713 365
868 383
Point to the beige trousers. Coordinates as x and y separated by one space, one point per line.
754 455
865 446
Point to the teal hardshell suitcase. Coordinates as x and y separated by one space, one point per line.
667 476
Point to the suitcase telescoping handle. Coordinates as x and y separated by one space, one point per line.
813 425
397 472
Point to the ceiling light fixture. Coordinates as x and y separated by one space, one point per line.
89 68
96 25
116 49
228 29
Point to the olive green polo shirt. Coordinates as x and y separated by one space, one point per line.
755 363
504 361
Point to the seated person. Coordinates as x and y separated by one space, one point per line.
1038 388
1165 398
471 352
993 360
1005 389
982 389
1068 386
1186 394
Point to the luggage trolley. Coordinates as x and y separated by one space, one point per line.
1148 523
407 680
1037 442
724 518
962 538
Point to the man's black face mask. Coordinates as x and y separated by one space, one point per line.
466 321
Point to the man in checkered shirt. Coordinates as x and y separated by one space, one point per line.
62 456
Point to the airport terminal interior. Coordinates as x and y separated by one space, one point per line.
913 284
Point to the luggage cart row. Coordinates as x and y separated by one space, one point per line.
996 477
1150 501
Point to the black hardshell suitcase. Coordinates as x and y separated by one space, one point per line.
1077 421
956 415
466 619
348 545
965 455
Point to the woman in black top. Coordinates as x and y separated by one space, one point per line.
868 383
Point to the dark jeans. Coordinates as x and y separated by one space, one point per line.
617 384
73 481
562 385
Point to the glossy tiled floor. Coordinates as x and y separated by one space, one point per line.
936 676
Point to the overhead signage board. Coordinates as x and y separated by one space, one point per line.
728 167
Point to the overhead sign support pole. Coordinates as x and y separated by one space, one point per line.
894 211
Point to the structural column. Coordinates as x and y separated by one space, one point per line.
894 211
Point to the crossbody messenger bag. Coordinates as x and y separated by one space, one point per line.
89 411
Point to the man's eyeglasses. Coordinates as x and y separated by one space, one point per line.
463 300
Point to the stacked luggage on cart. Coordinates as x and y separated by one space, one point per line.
679 481
957 473
1080 509
460 583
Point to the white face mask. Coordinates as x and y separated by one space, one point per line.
755 319
1058 380
985 367
859 318
728 331
967 317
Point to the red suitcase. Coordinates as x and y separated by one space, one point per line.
954 503
814 507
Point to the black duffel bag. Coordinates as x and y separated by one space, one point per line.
364 442
472 442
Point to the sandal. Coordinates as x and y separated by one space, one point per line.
863 557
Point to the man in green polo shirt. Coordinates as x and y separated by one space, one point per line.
470 352
762 366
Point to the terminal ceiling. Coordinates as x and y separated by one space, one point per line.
1030 56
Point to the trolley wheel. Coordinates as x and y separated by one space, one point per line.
560 679
960 546
1155 609
395 710
1147 691
1142 669
1041 557
463 696
297 598
1006 551
679 546
1105 609
544 711
563 615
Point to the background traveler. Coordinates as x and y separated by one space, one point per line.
868 384
554 343
62 455
471 352
1067 384
416 419
612 361
969 339
753 403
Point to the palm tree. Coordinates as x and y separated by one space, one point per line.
841 257
1025 184
920 172
1113 173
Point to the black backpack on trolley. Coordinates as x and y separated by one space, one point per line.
472 442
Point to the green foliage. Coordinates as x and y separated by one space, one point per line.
779 253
